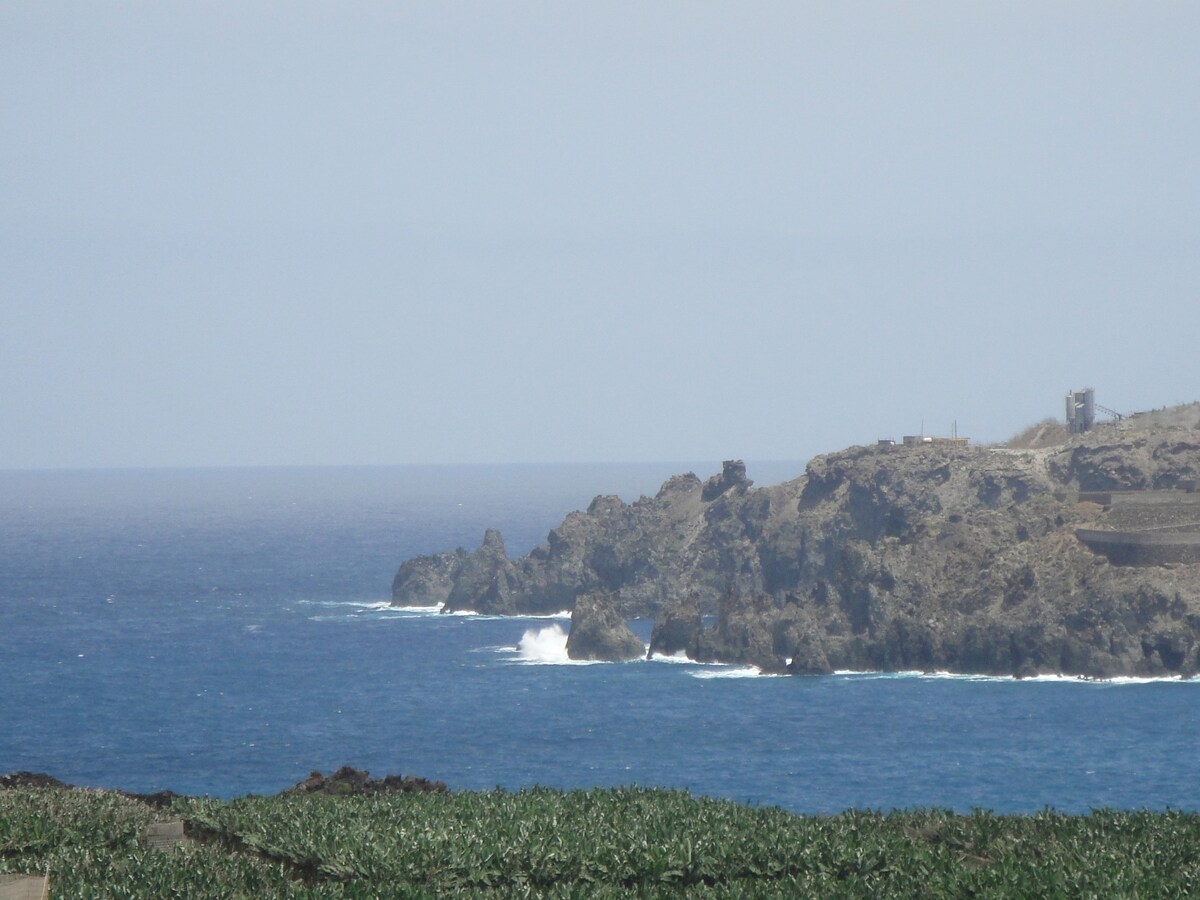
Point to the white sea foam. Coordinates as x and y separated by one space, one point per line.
1117 680
677 657
476 616
1009 679
876 676
383 606
357 604
356 609
403 614
916 673
740 672
546 647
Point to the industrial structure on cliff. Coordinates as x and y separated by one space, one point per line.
1081 410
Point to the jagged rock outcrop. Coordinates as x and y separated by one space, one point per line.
744 634
732 478
345 782
350 782
676 539
1143 461
600 632
484 580
427 580
676 628
17 780
481 581
927 557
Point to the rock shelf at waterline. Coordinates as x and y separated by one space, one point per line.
934 557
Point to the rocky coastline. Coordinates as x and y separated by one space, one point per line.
936 556
345 782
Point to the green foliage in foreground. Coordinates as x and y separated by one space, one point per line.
598 843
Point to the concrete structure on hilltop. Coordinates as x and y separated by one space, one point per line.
1081 410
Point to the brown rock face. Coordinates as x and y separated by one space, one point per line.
897 558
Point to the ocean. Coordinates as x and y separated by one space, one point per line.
227 631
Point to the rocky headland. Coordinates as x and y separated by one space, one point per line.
935 556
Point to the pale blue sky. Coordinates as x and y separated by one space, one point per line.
241 233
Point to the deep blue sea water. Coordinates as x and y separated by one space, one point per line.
226 632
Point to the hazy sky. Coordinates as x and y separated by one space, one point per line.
288 233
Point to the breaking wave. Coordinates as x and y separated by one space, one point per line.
1117 680
547 647
543 646
678 657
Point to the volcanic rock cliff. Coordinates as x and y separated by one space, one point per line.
926 557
